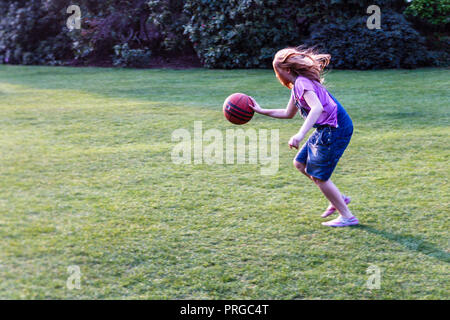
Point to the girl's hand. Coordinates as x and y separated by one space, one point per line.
255 106
295 140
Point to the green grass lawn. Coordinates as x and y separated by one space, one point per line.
86 179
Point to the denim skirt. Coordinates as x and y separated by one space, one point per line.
323 149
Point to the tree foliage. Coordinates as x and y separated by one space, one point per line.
32 32
354 46
222 33
431 12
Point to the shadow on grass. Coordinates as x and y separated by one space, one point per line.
411 243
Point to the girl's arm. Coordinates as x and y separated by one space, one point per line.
287 113
316 110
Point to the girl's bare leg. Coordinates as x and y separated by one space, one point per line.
301 167
330 191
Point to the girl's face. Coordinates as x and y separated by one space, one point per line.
285 76
283 73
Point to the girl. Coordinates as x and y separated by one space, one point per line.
301 70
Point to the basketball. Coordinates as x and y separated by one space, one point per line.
236 108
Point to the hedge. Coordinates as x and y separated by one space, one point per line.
222 33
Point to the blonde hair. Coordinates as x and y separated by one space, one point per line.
301 61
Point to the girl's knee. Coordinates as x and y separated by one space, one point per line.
300 166
318 181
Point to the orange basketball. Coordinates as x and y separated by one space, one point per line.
236 108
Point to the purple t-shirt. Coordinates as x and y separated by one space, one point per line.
329 113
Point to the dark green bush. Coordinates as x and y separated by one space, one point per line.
353 45
431 12
33 32
126 57
431 18
222 33
167 18
107 24
246 33
140 24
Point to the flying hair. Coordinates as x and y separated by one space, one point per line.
301 61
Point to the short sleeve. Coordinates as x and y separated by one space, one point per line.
301 85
